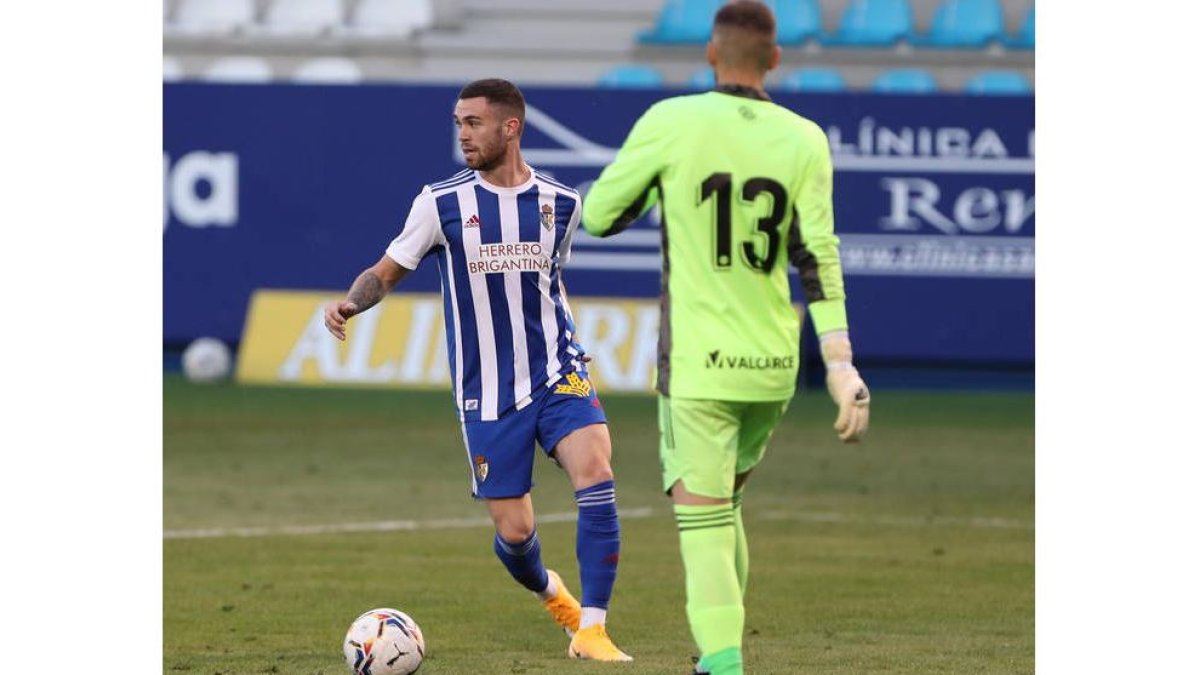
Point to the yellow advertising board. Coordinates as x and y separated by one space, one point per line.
401 342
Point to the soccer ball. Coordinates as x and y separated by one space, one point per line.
206 360
384 641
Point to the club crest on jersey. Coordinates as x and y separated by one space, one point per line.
547 216
481 467
575 385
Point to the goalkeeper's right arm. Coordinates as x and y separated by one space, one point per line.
628 187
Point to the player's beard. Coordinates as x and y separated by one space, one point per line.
488 157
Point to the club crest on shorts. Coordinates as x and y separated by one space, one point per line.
575 385
547 216
481 467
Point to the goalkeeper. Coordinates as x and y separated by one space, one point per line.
743 183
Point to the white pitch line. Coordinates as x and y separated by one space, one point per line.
566 517
902 521
380 526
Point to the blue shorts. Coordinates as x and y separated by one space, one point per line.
501 452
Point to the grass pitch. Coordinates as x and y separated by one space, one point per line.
910 553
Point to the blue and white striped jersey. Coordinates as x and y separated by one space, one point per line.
500 250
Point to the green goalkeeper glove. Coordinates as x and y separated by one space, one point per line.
846 388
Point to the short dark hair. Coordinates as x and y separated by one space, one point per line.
749 28
497 92
750 15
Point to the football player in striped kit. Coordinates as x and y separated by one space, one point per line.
500 232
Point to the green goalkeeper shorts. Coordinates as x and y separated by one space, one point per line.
707 443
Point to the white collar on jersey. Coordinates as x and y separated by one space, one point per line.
516 189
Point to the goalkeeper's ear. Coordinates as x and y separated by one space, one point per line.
776 57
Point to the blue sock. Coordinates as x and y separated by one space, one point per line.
597 543
524 561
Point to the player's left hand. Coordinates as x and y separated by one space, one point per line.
853 399
847 389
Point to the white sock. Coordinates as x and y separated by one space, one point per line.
551 589
592 616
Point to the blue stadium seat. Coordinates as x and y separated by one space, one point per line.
813 79
965 23
631 77
874 23
1001 82
704 78
377 19
795 20
1024 38
211 17
905 81
683 22
298 18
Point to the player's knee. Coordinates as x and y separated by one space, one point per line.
514 532
596 468
598 472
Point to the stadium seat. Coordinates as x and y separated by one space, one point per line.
1024 38
682 22
813 79
905 81
795 20
631 77
300 17
238 69
328 70
1001 82
212 17
172 69
389 18
965 23
874 23
704 78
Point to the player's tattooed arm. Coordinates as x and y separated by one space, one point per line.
374 284
366 291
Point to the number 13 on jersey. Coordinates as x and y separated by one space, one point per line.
761 250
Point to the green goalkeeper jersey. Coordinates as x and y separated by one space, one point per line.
745 186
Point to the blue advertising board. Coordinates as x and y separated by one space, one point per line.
292 186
